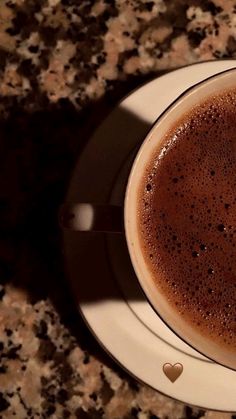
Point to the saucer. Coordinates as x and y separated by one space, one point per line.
99 268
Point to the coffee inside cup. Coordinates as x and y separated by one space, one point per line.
187 217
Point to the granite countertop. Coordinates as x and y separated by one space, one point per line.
63 65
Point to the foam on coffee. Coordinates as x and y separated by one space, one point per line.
187 217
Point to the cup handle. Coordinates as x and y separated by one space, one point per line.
91 218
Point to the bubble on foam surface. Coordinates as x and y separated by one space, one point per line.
187 217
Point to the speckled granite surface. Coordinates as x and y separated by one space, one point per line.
63 65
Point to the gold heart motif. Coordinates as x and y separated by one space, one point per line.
173 371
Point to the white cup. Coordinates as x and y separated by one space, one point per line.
90 217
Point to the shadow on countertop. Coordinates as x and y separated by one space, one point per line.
38 151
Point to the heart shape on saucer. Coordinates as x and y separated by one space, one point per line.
173 371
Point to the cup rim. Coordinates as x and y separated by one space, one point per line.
127 203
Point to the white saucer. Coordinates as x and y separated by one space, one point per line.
99 269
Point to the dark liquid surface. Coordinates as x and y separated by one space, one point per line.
187 217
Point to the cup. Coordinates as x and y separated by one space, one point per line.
90 217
